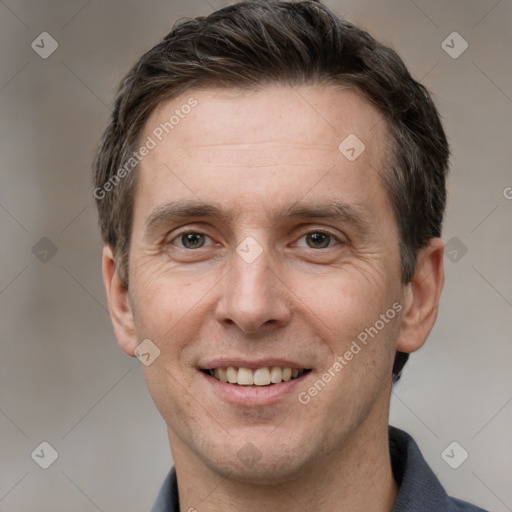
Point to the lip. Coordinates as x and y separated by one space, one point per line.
253 396
253 364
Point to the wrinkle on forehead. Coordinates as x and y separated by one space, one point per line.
290 137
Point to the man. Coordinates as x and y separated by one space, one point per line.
271 189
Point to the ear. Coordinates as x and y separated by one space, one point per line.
121 312
421 297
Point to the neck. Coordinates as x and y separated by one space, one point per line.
355 478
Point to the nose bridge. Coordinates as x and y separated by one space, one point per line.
252 295
253 280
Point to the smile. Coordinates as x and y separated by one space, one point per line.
265 376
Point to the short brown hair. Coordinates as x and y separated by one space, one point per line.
250 45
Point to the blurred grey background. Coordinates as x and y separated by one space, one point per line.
63 379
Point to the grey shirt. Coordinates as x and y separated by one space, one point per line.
419 489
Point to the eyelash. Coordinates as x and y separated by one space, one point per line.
315 231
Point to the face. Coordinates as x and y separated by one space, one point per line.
261 245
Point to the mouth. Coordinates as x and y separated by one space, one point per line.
255 377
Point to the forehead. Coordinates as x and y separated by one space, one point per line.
263 144
325 113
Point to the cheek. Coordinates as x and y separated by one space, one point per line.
346 300
166 312
172 395
352 310
162 296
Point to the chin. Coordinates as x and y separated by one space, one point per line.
269 465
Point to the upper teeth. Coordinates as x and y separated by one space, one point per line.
258 377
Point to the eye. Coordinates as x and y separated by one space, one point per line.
191 240
318 240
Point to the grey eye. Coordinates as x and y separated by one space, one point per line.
191 240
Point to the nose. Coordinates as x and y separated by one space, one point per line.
253 297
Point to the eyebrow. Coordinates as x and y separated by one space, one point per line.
176 211
331 210
182 210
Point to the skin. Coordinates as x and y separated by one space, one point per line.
253 154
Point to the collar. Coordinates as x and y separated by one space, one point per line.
419 488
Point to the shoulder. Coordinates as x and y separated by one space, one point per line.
419 488
168 498
457 505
